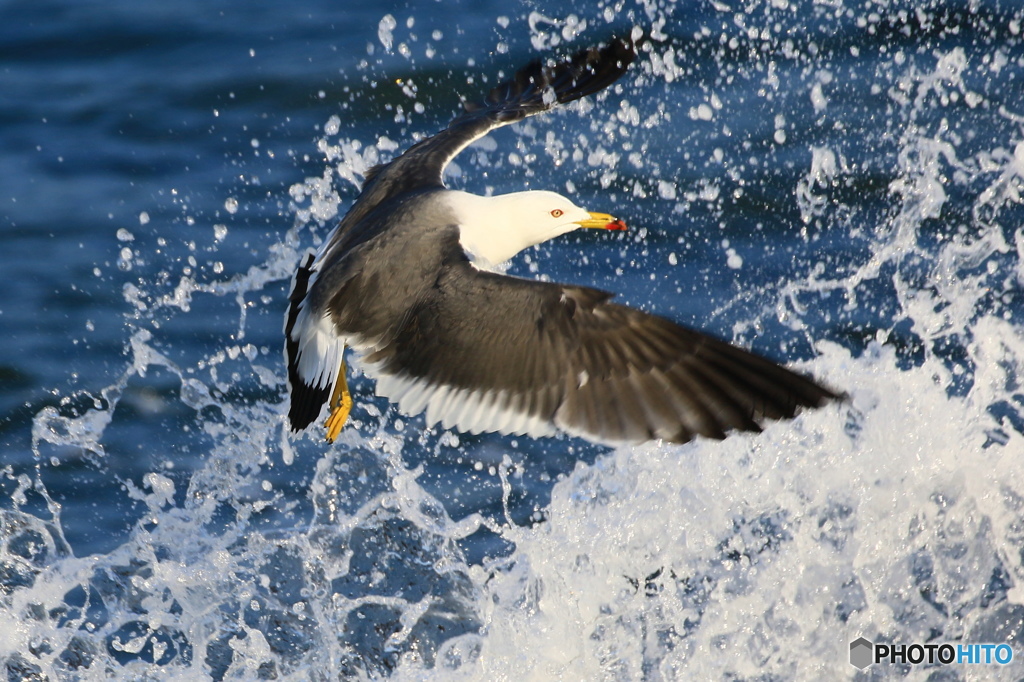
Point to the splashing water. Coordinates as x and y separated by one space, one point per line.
860 171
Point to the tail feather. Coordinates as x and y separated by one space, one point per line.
306 400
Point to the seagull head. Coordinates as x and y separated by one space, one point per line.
493 229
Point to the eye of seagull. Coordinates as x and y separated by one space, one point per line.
557 213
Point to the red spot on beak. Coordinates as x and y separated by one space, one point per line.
618 224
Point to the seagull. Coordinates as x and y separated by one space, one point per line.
408 280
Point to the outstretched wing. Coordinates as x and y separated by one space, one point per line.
537 87
488 352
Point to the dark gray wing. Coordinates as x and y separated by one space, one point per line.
486 352
535 88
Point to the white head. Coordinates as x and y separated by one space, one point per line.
493 229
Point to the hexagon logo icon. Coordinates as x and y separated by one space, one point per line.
861 653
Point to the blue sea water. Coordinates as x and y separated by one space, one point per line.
837 185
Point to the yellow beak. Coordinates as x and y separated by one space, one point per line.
602 221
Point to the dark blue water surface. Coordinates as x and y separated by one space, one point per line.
834 184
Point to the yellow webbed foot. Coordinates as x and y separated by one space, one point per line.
341 405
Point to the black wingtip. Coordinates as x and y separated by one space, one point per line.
567 79
590 70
